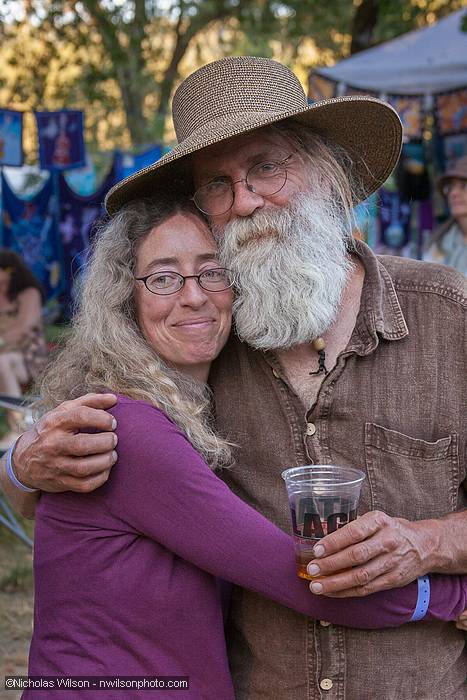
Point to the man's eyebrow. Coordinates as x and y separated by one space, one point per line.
203 257
270 154
266 155
209 175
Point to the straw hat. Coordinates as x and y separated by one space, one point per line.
457 170
238 94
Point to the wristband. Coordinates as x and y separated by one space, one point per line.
11 474
423 600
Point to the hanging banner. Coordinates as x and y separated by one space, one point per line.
61 139
30 229
11 137
411 174
83 180
78 219
320 88
128 163
366 220
410 110
394 220
455 147
451 112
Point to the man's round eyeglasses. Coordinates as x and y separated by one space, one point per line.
217 196
167 282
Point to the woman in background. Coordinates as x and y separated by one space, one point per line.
449 242
23 351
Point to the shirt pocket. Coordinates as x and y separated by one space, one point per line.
411 478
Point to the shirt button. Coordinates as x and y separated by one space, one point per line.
276 374
326 684
324 623
310 428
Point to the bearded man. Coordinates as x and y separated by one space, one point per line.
339 357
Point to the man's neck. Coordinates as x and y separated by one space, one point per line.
300 360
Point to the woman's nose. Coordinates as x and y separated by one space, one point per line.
192 294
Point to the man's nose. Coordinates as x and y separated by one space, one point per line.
192 294
246 200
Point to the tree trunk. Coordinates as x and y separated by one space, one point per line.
128 63
168 82
183 39
363 25
133 94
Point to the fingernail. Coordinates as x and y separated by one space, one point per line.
318 551
114 423
316 588
114 456
313 569
115 439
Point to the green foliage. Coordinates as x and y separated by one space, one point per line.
399 16
120 60
19 578
56 334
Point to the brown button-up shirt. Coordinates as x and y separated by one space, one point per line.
393 406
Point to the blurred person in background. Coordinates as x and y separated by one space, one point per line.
449 242
23 351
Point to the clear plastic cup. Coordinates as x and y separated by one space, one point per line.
322 499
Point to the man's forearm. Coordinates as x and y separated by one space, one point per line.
450 535
24 503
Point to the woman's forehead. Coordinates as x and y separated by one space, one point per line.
182 236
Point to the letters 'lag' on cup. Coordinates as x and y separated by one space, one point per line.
322 498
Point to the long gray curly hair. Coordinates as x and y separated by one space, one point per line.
106 350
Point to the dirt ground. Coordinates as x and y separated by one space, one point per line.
16 607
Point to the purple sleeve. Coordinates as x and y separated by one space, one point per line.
161 487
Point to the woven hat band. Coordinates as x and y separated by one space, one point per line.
232 86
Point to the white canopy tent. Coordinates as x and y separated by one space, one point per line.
422 62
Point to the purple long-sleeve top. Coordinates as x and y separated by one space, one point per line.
127 577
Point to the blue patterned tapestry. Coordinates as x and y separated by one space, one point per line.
128 163
395 218
78 217
11 137
29 228
61 140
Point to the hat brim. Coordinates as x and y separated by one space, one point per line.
450 175
367 128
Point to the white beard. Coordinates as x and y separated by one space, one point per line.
291 266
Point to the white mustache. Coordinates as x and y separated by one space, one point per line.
263 224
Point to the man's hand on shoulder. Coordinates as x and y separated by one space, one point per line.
376 552
55 455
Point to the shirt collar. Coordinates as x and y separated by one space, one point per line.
380 313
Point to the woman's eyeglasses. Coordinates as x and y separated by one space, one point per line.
166 282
